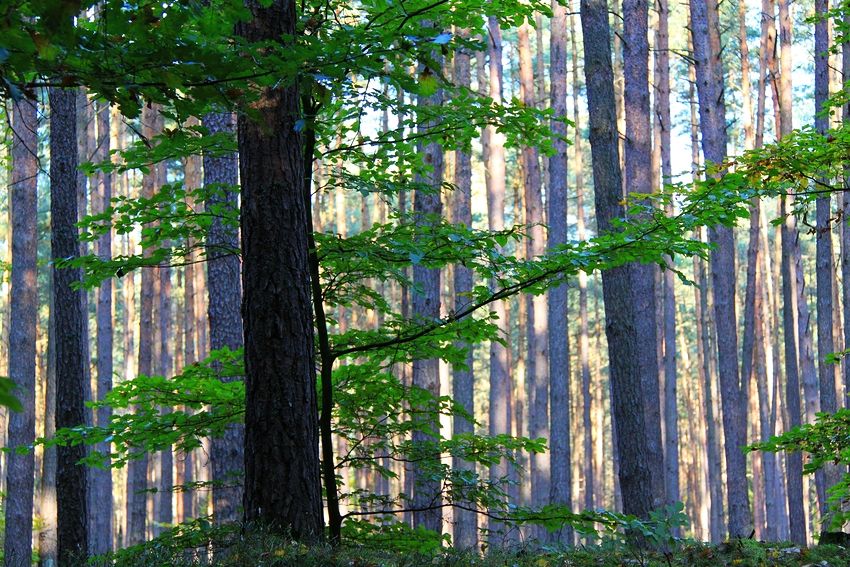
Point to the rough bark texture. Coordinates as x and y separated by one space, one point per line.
22 331
72 504
425 305
465 522
282 482
165 500
537 317
712 110
638 179
225 296
635 472
559 353
845 230
500 406
101 479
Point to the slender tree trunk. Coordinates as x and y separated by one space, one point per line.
845 231
425 303
590 478
101 479
559 348
706 38
282 479
825 277
225 319
465 522
537 315
23 209
500 406
627 386
72 504
165 511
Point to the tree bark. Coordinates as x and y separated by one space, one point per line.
101 479
225 296
559 347
627 394
465 522
282 480
71 485
537 316
712 109
23 209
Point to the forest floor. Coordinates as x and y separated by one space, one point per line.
274 552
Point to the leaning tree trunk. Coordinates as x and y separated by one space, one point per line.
712 109
560 490
225 296
23 209
72 504
282 482
628 414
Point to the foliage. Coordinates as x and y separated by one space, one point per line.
826 442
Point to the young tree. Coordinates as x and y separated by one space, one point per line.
71 481
282 487
22 331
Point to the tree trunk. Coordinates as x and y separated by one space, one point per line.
825 276
500 406
23 209
72 504
465 521
638 178
101 479
165 510
559 347
627 393
590 478
225 319
706 38
282 480
425 304
537 315
845 230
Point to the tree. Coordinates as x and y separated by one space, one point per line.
225 319
22 332
635 472
282 487
559 354
712 110
71 481
465 529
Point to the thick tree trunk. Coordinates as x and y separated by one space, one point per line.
559 347
465 522
627 393
225 320
72 504
706 38
23 209
845 230
282 482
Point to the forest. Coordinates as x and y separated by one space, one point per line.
424 282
